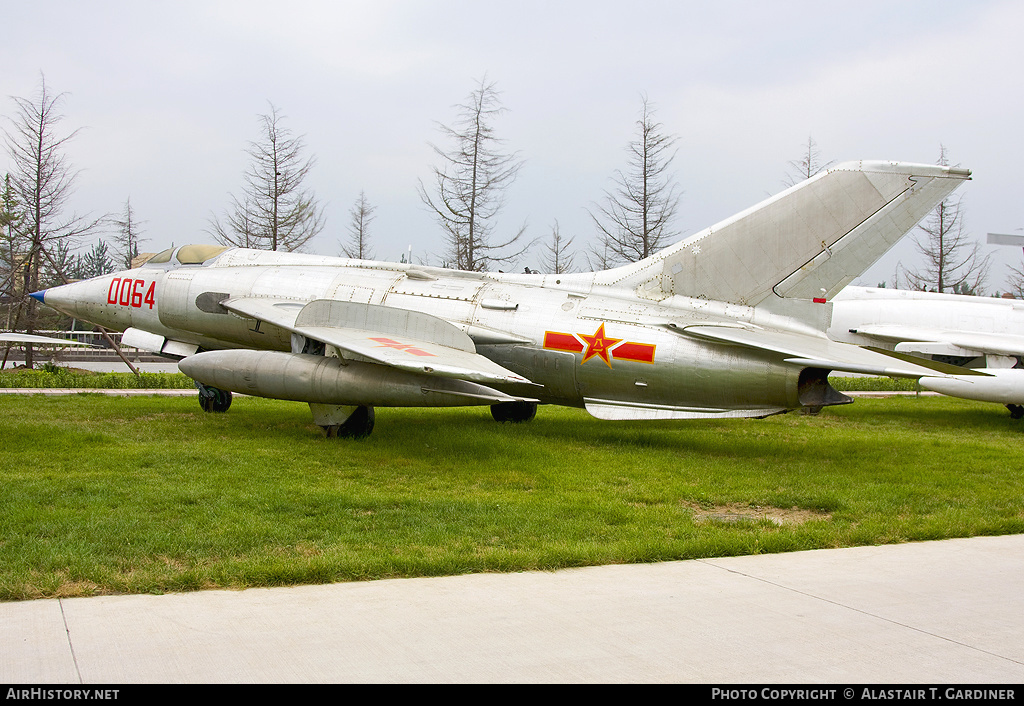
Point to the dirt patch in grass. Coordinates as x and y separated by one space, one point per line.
738 512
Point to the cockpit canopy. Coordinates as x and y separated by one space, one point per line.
186 255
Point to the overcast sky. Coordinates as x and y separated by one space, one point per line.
168 95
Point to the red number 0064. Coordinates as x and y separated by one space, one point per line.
129 292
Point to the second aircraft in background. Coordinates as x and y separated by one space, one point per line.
973 332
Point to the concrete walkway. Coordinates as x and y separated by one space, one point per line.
941 612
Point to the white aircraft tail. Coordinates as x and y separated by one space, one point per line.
807 242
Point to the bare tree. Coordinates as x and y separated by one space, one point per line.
43 181
242 228
11 213
360 217
634 219
275 212
12 253
953 260
1016 281
557 258
600 256
469 185
128 235
807 166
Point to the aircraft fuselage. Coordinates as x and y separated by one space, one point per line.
576 346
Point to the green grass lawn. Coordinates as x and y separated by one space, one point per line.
53 376
150 494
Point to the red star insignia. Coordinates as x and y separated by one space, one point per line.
598 345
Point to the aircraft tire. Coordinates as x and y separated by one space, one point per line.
1016 411
358 426
213 399
515 412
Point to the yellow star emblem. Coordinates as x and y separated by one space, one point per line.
598 345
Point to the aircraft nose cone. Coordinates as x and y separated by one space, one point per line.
76 298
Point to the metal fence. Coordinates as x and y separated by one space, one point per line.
101 352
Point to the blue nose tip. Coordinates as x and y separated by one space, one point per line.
38 296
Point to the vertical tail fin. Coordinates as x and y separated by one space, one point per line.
816 236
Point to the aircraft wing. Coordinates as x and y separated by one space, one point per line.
932 341
26 338
400 338
820 352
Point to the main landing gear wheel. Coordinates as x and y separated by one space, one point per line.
359 425
213 399
515 412
1016 411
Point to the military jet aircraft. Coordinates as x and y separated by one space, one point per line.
977 332
729 322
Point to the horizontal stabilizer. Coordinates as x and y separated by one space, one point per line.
968 342
941 368
819 352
